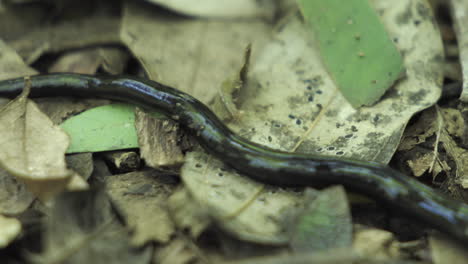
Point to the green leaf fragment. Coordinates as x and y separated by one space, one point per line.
355 47
103 128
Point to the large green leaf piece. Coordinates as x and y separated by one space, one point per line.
355 47
103 128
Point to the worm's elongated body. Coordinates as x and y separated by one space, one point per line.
259 162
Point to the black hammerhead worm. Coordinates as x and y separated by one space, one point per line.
261 163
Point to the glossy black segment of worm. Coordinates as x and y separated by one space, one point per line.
261 163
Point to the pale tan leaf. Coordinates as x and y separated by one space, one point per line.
460 17
222 8
12 65
9 230
33 148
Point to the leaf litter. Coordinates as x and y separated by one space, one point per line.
303 112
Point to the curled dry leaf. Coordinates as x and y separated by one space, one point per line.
33 148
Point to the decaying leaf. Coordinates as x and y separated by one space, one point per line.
460 156
446 125
290 103
11 64
142 198
33 148
82 229
225 104
73 34
123 160
245 208
59 109
158 140
187 213
198 58
293 104
88 61
15 198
